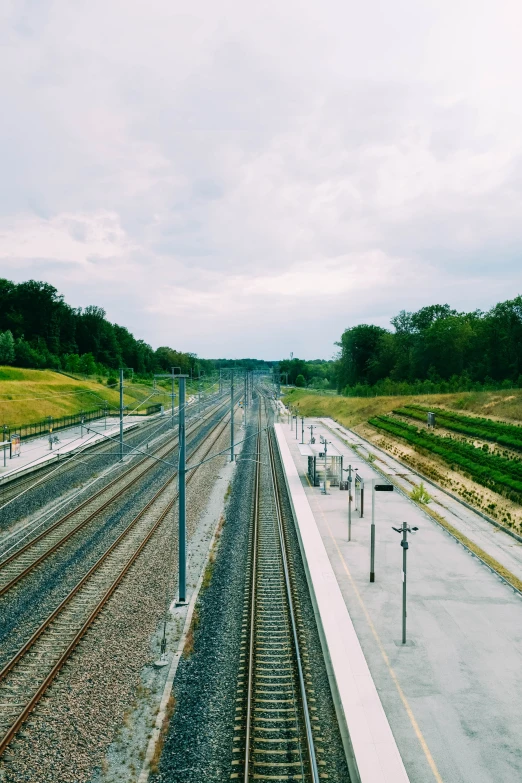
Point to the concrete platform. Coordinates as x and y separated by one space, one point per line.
35 453
452 695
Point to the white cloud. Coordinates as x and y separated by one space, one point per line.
215 171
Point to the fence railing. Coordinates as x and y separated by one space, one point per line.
51 424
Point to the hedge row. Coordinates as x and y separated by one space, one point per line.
508 435
490 470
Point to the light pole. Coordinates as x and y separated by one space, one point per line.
325 444
302 430
311 428
349 470
404 543
375 488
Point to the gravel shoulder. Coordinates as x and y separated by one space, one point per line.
200 737
95 720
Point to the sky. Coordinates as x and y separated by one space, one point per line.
250 179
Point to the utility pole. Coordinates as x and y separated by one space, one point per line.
172 400
372 536
182 502
302 430
121 414
232 416
404 543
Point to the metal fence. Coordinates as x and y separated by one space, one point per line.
51 424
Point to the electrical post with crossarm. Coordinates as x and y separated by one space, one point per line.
182 514
122 370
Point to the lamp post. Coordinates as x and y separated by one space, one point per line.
325 444
375 488
404 543
349 471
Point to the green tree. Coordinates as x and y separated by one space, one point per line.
300 381
7 348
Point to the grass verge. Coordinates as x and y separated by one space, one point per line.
352 411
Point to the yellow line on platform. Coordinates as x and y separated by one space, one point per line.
411 716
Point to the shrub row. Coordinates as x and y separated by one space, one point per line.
490 470
508 435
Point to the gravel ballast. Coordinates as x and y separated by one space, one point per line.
67 737
199 742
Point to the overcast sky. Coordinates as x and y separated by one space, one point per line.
244 178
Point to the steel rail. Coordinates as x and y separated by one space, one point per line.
306 712
255 521
166 449
298 695
29 706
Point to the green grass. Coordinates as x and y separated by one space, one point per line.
352 411
28 396
420 495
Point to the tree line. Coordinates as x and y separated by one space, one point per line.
317 373
435 349
39 329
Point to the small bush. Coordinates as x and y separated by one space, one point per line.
112 381
420 495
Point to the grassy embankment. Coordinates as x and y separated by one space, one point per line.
28 396
506 406
480 485
352 411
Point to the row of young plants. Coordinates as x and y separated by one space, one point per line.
508 435
487 469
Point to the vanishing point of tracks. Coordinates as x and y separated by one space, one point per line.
27 675
274 731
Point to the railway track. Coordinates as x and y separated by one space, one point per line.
11 488
25 559
30 671
274 734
